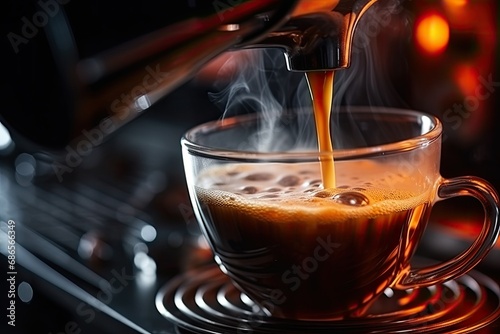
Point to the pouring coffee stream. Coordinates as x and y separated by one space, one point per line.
321 89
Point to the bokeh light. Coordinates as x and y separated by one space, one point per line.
455 3
466 78
432 33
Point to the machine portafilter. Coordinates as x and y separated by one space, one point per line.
76 65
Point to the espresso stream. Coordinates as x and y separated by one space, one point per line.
321 88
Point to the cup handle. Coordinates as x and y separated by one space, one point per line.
468 259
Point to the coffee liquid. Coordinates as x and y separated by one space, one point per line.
321 89
311 252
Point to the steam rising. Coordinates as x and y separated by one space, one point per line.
263 84
378 58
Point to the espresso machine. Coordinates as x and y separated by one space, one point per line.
95 97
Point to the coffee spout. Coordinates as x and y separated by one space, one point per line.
319 40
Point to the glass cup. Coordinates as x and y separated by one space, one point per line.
301 251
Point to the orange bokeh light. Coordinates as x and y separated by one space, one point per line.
306 7
466 78
432 33
455 3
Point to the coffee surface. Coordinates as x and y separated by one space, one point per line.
366 189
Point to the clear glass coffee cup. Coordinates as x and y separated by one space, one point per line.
303 251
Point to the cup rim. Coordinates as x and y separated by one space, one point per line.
434 133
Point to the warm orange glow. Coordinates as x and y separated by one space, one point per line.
305 7
467 228
455 3
432 33
466 78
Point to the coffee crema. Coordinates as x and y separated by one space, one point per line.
313 252
291 188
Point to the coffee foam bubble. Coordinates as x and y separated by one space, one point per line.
289 191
